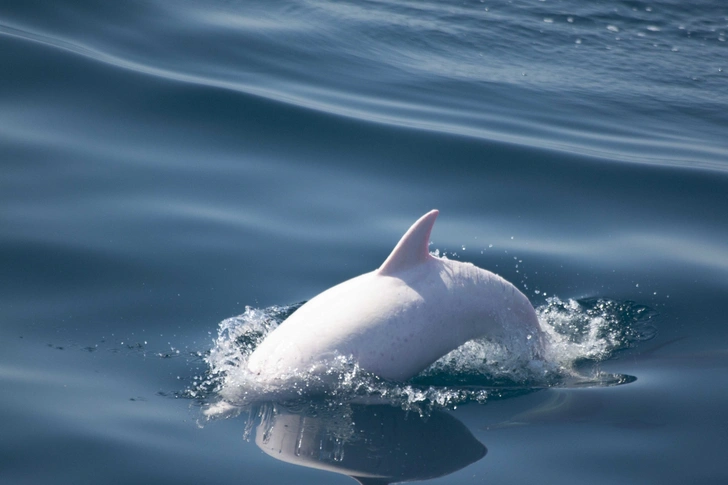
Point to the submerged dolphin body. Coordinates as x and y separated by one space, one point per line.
397 320
381 445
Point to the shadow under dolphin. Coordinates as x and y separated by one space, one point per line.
374 444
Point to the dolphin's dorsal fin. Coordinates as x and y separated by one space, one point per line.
413 248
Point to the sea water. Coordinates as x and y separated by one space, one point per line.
176 174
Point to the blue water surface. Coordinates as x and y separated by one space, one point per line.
166 164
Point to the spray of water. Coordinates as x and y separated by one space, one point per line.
579 334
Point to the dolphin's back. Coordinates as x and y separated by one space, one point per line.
396 326
399 319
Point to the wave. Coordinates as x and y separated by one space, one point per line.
463 70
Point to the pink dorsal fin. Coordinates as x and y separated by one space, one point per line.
413 248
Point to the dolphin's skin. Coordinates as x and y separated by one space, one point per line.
400 318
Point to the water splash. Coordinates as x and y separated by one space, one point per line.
579 333
593 329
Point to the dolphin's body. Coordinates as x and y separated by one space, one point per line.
381 444
400 318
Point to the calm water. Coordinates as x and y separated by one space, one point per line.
166 164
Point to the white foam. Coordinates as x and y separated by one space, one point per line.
576 332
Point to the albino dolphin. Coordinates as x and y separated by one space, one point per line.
397 320
381 445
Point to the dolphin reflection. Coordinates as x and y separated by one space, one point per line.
374 444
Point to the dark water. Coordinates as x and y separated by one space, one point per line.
166 164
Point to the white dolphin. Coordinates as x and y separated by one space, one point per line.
397 320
